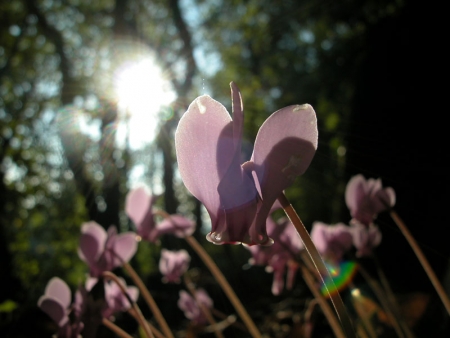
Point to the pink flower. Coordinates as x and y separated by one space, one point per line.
115 300
173 264
367 198
190 306
139 208
332 241
365 238
57 304
238 196
279 256
104 251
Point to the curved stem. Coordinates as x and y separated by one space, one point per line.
114 328
392 299
149 300
385 301
215 271
326 309
320 266
140 318
427 267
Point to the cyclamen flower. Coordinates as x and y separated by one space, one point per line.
367 198
115 300
173 264
104 251
279 256
56 303
190 307
139 208
332 241
365 238
238 196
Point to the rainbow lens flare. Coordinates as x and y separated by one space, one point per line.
341 275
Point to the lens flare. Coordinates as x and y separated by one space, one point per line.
341 275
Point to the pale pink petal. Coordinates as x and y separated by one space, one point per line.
137 203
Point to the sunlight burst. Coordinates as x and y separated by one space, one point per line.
142 91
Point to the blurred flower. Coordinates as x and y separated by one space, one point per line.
173 264
190 306
139 208
332 241
238 197
104 251
56 303
367 198
115 300
365 238
283 253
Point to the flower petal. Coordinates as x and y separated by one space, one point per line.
58 289
92 242
203 132
124 247
284 147
177 225
137 203
54 309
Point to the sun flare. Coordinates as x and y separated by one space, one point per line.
142 91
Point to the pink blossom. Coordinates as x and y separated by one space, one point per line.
189 305
367 198
104 251
279 256
173 264
239 196
139 208
332 241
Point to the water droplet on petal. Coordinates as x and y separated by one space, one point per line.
201 107
300 107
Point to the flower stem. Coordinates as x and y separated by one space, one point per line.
384 301
149 300
392 299
427 267
220 278
332 291
114 328
190 285
326 309
140 318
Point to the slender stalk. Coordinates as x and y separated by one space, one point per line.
190 285
385 302
362 314
149 300
320 266
426 266
220 278
114 328
392 299
140 318
155 331
326 309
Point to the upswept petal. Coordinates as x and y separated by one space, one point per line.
137 204
124 247
56 301
284 148
54 309
92 242
177 225
58 289
354 191
203 131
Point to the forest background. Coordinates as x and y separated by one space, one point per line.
70 150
